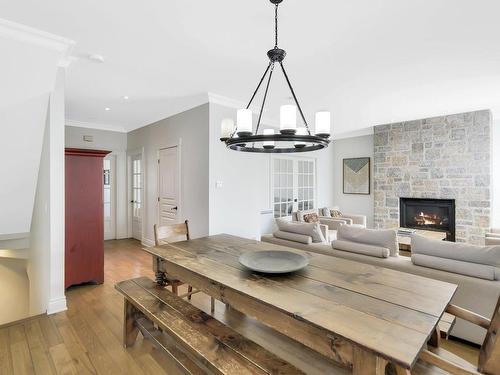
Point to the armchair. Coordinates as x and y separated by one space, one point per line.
349 218
332 223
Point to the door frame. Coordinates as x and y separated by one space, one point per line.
139 151
179 180
113 196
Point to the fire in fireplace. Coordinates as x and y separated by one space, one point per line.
428 214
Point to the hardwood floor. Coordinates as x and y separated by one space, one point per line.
87 338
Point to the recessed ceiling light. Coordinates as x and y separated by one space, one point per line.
107 109
125 97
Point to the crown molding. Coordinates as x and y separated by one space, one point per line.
26 34
94 125
354 133
237 104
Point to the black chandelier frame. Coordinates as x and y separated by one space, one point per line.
301 142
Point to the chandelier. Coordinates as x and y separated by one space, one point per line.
240 136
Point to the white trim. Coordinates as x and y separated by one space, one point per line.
94 125
353 133
56 305
31 35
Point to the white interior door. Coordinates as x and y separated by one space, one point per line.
168 186
136 201
109 198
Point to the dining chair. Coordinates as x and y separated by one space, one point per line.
167 234
489 354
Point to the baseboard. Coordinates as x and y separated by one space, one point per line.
24 320
57 305
147 242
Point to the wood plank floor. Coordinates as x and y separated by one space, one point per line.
86 339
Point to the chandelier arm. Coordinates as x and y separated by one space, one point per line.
258 86
295 98
264 99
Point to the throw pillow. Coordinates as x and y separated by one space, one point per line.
311 218
335 213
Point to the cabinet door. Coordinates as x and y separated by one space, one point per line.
84 219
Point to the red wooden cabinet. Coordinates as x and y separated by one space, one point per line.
84 244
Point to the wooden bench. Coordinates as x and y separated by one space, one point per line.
196 342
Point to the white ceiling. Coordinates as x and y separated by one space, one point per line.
368 62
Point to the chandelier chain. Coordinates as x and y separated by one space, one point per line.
276 26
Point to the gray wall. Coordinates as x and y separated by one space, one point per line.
103 139
116 142
190 129
447 157
355 147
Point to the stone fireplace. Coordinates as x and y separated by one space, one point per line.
445 157
428 214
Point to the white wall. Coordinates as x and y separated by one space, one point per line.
14 286
115 142
22 128
190 129
352 148
495 168
38 264
236 207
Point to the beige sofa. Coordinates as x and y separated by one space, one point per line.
473 293
493 237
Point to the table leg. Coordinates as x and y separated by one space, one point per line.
367 363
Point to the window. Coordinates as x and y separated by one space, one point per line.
293 185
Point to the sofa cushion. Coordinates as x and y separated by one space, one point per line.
309 229
481 271
383 238
360 248
302 238
489 255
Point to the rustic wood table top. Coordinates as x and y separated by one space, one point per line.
359 315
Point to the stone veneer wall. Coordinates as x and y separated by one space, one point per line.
444 157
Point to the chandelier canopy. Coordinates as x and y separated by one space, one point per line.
240 136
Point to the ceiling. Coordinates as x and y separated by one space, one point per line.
369 62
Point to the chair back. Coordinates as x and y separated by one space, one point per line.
171 233
489 355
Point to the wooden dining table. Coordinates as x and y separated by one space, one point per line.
361 316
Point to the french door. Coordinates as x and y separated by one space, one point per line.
137 194
109 198
293 184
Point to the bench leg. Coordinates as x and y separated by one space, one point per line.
130 330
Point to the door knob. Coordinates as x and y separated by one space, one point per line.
174 208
